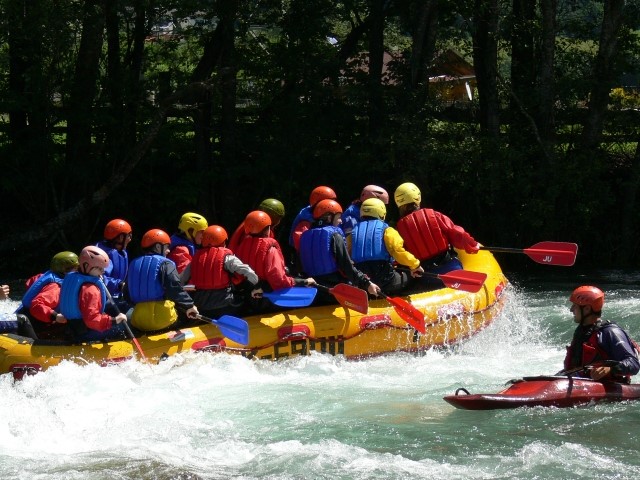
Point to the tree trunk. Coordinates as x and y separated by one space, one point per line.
544 113
83 93
376 60
485 59
523 76
423 46
603 74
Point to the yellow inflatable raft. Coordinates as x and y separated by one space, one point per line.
450 315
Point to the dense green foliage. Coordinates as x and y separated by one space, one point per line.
146 109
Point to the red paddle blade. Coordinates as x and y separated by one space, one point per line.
463 280
553 253
139 347
408 313
351 297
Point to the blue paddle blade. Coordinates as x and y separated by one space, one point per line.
292 296
233 328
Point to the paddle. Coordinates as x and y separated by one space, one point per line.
465 280
589 366
231 327
292 296
547 253
349 296
127 329
407 312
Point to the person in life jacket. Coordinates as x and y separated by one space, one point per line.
304 219
374 246
272 207
153 286
324 255
596 340
264 255
187 239
211 272
116 237
84 300
351 215
430 235
42 298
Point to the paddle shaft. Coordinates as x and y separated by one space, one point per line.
126 325
546 253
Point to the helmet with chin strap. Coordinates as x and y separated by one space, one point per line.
64 262
256 221
373 207
92 257
273 207
588 295
116 227
214 236
192 223
154 236
407 193
326 206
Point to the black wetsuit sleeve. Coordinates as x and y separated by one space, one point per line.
615 342
345 264
172 287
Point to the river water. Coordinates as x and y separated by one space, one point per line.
206 416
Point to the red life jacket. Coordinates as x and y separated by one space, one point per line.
207 269
253 252
422 234
592 352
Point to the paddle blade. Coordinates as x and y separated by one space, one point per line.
234 328
408 313
292 296
351 297
553 253
463 280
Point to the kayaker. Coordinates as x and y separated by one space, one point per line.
211 272
153 286
4 292
374 245
41 300
596 340
264 255
351 215
272 207
84 297
430 235
116 237
324 254
185 241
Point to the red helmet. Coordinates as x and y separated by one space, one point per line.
116 227
588 295
92 257
326 206
374 191
214 236
154 236
321 193
256 222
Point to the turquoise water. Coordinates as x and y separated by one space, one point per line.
222 416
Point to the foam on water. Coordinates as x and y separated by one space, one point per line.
223 416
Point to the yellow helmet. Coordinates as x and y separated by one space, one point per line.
407 193
194 222
373 207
